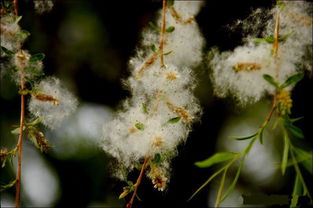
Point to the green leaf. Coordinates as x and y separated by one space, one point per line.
156 159
37 57
297 132
280 3
170 29
216 158
170 3
269 39
233 184
140 126
154 26
297 191
292 120
285 154
35 122
292 80
22 34
144 108
18 18
153 48
16 131
11 184
167 53
174 120
270 80
244 138
7 51
34 71
305 158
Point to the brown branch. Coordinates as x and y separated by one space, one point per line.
146 64
20 145
162 34
276 34
130 203
15 5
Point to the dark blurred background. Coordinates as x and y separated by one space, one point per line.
88 44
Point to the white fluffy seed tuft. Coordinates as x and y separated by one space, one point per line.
52 102
239 73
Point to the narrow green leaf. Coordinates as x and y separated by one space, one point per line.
9 185
233 184
18 18
37 57
285 153
170 3
140 126
167 53
270 80
156 159
269 39
170 29
280 4
7 51
174 120
297 132
153 48
144 108
292 120
154 26
261 135
16 131
244 138
216 158
305 158
292 80
297 191
35 122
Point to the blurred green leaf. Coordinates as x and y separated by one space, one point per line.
292 80
244 138
9 185
285 154
7 51
170 29
154 26
305 158
170 3
37 57
270 80
297 132
156 159
174 120
297 191
140 126
216 158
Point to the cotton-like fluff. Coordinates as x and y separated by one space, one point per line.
51 102
239 73
11 35
159 113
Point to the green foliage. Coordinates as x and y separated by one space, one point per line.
270 80
285 154
170 29
154 26
37 57
145 108
216 158
292 80
9 185
244 138
140 126
174 120
170 3
156 159
154 48
7 51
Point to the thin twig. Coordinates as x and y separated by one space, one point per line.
20 145
15 5
162 34
220 190
130 203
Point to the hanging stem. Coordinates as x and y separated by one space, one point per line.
162 34
20 144
15 5
130 203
